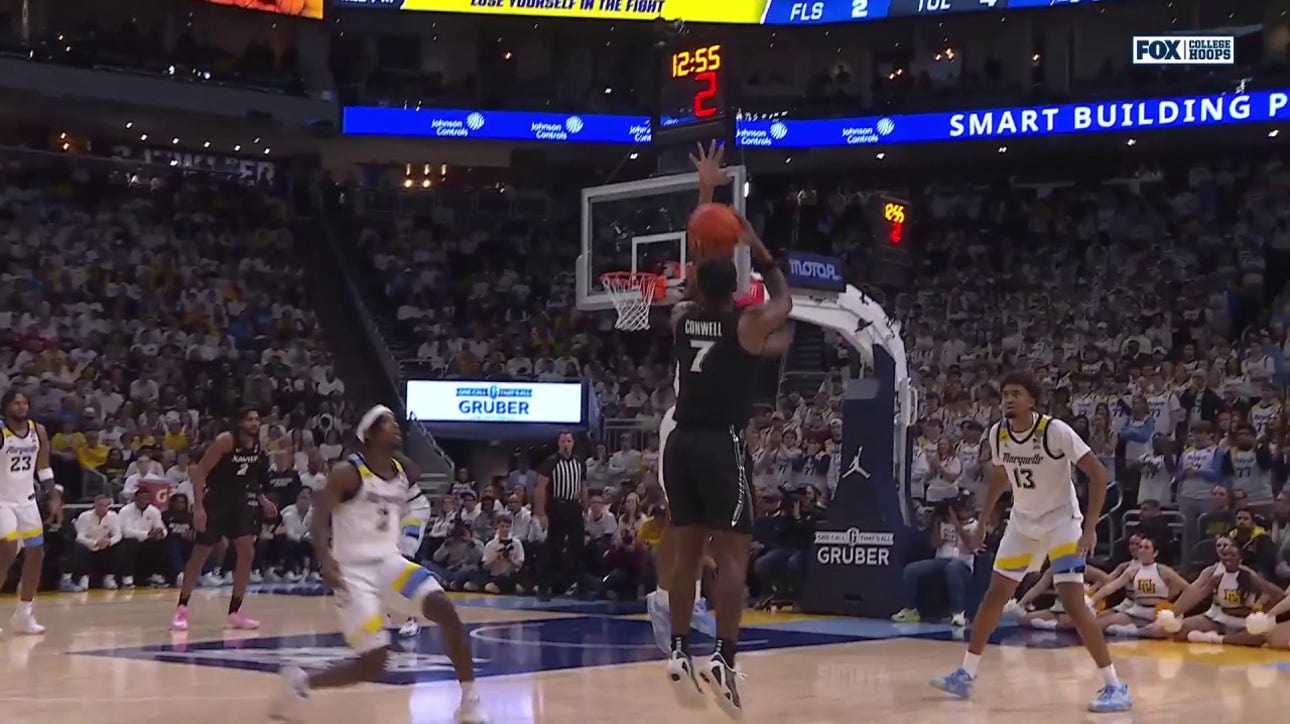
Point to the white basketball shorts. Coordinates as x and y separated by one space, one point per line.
392 586
21 521
1021 553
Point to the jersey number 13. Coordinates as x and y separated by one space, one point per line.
1024 478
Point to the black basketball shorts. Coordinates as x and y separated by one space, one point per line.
706 474
229 516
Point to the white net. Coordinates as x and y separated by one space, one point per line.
632 294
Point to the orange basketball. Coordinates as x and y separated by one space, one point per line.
714 230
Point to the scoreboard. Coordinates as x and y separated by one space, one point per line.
738 12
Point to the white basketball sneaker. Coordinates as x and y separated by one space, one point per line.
680 672
24 622
471 710
721 679
294 690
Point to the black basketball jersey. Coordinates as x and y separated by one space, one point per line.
241 470
716 375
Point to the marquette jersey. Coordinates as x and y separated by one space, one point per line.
242 471
1247 475
716 375
18 452
1039 465
366 528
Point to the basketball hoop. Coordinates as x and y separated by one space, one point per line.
632 294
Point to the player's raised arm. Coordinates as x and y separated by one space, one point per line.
757 324
44 473
342 483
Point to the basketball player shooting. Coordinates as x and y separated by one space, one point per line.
705 464
1034 453
709 163
24 460
359 512
229 485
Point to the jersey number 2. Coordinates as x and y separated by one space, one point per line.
1024 478
702 348
383 518
241 469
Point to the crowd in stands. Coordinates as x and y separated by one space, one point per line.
140 46
1146 305
126 310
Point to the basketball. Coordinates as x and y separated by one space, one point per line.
714 230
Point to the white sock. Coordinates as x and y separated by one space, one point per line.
1044 624
698 590
1109 677
467 690
970 663
24 608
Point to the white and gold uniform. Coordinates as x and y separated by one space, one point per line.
1229 608
19 514
365 543
1147 590
1046 520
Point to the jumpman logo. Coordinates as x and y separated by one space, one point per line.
856 467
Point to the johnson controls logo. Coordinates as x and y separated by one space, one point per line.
778 130
475 121
573 125
1184 50
885 126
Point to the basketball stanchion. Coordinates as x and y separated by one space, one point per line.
632 294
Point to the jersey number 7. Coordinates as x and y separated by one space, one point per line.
702 348
1024 478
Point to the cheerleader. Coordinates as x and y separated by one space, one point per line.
1279 636
1148 584
1054 617
1235 590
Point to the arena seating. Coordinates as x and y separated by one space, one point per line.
131 303
1066 269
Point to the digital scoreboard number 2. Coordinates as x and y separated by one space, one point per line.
704 67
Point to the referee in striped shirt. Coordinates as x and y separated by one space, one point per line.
558 503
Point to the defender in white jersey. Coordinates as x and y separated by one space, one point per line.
24 460
1036 456
360 511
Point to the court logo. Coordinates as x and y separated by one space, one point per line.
475 121
778 130
1184 50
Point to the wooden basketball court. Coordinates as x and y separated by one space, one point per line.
109 658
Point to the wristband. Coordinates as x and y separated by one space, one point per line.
45 475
